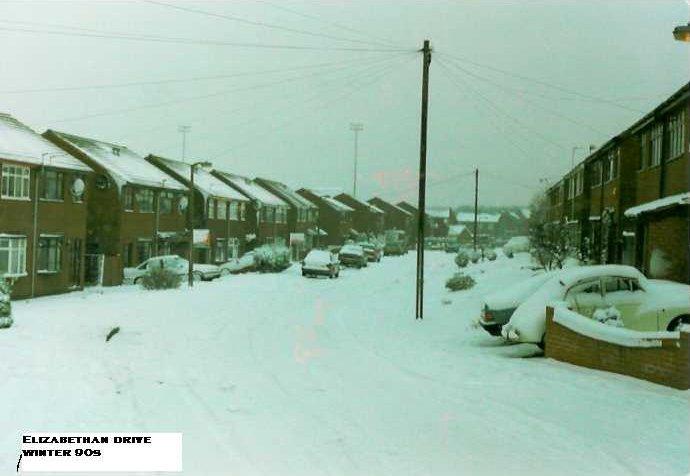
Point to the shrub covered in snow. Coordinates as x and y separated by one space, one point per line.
460 282
5 306
161 278
490 255
461 259
474 256
272 259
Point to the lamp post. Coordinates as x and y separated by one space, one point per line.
184 130
356 127
190 220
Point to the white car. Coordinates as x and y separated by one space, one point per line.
517 244
179 265
321 263
247 262
644 305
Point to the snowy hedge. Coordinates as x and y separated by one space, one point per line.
161 278
460 282
272 259
461 259
5 306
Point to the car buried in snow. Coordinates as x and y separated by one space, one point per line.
499 306
352 256
243 264
643 304
321 263
178 265
372 251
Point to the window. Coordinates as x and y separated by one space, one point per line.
12 255
676 134
51 185
144 199
267 214
596 173
144 247
49 253
219 250
165 204
164 248
656 145
243 211
645 151
221 209
611 165
128 199
234 210
233 248
15 181
579 179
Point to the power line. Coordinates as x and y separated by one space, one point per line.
262 24
543 83
181 100
190 41
176 80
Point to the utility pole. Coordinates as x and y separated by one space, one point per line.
476 206
184 130
426 61
356 127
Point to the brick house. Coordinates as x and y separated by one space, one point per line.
302 217
396 218
220 211
135 211
487 225
510 223
366 218
335 218
43 208
267 213
438 220
460 234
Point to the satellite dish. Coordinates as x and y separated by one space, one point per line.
183 203
78 187
102 182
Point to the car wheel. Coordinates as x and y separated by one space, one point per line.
137 281
542 343
675 324
224 272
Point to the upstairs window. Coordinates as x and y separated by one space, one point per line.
234 210
15 182
221 209
596 173
243 211
611 165
165 202
656 145
144 198
52 185
676 134
645 151
128 199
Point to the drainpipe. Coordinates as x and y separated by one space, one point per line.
34 241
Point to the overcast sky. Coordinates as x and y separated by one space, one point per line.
284 113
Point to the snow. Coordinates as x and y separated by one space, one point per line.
287 194
456 230
123 165
437 213
468 217
339 206
609 333
329 377
660 204
204 181
253 189
20 143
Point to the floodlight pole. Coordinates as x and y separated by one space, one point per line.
426 61
190 219
184 130
356 127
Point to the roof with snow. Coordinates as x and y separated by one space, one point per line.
526 212
204 181
123 165
660 204
395 207
456 229
286 193
338 205
467 217
252 189
20 143
359 202
327 194
437 212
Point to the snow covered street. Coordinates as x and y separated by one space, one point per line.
278 374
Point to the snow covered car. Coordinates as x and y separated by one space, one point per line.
372 251
499 306
517 244
5 305
321 263
247 262
643 305
179 265
352 255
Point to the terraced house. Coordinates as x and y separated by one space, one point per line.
43 209
135 210
219 213
366 218
628 201
335 218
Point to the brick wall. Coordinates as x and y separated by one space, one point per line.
666 365
668 232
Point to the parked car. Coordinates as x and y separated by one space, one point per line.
321 263
644 305
372 251
499 306
243 264
352 255
175 263
517 244
452 246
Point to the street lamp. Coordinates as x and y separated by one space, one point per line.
682 32
356 127
184 130
190 219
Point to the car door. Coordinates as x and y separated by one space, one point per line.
585 297
628 297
